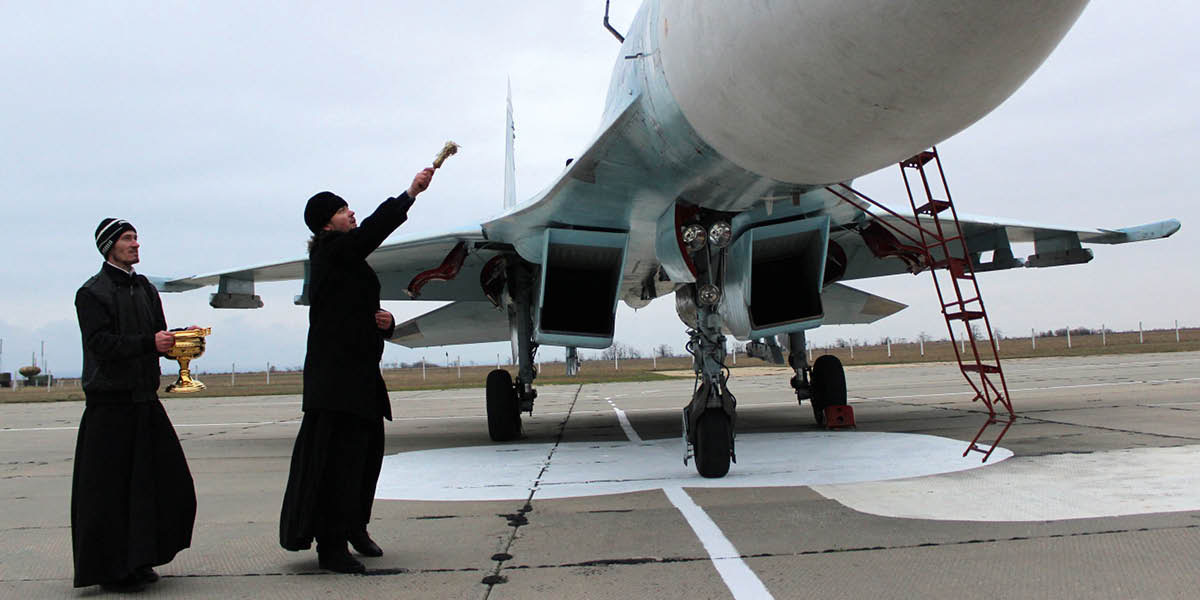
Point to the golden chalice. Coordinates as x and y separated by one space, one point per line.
189 345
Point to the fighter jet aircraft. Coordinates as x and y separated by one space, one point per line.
722 173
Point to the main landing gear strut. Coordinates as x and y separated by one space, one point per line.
823 384
506 398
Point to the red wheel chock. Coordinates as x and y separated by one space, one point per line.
839 417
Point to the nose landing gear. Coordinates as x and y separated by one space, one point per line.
709 418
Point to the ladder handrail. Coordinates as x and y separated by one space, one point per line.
936 239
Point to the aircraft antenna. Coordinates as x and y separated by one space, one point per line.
620 38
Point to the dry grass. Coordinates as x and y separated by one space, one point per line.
596 371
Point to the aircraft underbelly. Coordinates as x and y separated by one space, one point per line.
819 91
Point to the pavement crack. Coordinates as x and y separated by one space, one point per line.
1116 429
1024 416
520 519
684 559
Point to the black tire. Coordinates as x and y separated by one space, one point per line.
504 416
713 441
828 385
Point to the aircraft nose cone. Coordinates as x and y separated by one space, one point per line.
820 91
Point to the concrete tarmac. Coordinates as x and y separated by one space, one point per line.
1098 500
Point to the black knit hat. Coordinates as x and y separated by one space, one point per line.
108 232
320 209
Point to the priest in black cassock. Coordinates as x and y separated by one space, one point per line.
133 502
339 448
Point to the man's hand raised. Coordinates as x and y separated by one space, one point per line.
420 182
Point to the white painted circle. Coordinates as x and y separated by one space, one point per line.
512 471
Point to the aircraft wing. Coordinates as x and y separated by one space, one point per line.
1053 245
396 263
455 323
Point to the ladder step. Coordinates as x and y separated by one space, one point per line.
981 368
933 207
962 303
965 315
919 159
956 266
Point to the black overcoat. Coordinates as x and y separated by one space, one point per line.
118 315
341 367
133 502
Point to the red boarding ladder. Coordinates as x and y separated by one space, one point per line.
944 249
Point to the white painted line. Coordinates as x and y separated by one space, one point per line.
627 426
237 424
7 429
1043 388
1154 363
177 426
280 403
741 581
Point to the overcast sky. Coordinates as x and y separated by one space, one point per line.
209 124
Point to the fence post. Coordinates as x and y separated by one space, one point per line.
268 373
1103 335
1176 331
922 346
1033 338
1068 337
889 345
1141 336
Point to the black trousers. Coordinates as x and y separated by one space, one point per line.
331 485
133 502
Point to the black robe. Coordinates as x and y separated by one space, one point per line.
339 449
133 502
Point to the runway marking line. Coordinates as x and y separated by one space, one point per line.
177 426
737 575
625 424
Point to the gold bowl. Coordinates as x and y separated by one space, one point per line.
189 345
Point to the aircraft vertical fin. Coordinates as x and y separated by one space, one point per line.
510 170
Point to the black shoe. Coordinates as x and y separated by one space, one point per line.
364 545
129 584
146 574
338 559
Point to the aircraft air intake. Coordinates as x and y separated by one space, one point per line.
580 278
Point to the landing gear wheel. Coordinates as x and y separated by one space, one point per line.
713 444
504 416
828 385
